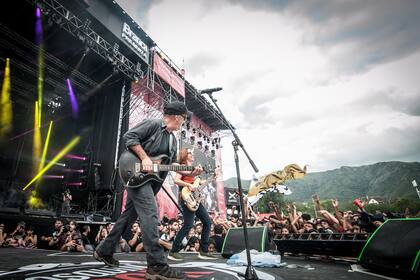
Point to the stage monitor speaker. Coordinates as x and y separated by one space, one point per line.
394 248
9 210
40 212
235 242
77 217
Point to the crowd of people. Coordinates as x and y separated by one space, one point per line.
78 238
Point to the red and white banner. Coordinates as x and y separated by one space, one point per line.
198 123
164 71
220 185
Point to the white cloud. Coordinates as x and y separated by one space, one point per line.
339 87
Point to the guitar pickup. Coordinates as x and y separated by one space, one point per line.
137 167
155 168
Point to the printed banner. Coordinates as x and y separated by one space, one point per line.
164 71
220 185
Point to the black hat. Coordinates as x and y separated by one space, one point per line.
176 108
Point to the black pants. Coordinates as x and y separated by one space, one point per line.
202 214
141 203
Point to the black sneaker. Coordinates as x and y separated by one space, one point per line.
108 260
163 272
175 256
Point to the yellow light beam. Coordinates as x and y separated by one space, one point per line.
6 104
40 80
44 152
64 151
36 152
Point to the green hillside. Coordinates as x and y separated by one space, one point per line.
387 180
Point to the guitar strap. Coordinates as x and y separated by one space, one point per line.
171 135
170 196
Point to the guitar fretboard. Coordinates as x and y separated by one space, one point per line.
164 167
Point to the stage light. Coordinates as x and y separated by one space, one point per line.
6 119
183 134
44 152
34 201
73 101
36 152
75 157
192 140
53 177
213 153
55 103
74 184
68 170
39 43
66 149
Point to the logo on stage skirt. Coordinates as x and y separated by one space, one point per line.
128 270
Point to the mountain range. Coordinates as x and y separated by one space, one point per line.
382 180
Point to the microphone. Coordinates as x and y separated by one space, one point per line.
209 90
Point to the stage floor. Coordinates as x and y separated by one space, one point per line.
47 264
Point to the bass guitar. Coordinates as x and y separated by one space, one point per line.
193 199
132 174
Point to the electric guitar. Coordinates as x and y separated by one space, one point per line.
132 174
193 199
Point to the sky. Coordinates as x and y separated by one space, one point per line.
318 83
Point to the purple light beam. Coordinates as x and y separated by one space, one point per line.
38 27
73 101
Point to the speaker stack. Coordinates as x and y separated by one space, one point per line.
394 248
235 243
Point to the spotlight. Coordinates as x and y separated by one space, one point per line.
206 148
213 153
55 103
75 157
75 184
194 130
192 140
200 144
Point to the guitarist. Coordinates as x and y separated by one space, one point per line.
149 138
185 179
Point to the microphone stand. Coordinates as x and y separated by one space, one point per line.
250 273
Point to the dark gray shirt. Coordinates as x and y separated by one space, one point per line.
152 135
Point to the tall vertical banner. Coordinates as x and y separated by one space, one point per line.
163 70
220 185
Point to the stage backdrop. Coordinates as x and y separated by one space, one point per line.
146 103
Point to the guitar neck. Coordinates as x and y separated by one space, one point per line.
164 167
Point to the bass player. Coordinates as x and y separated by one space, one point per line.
185 179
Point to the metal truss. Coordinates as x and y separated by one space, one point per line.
24 48
82 30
